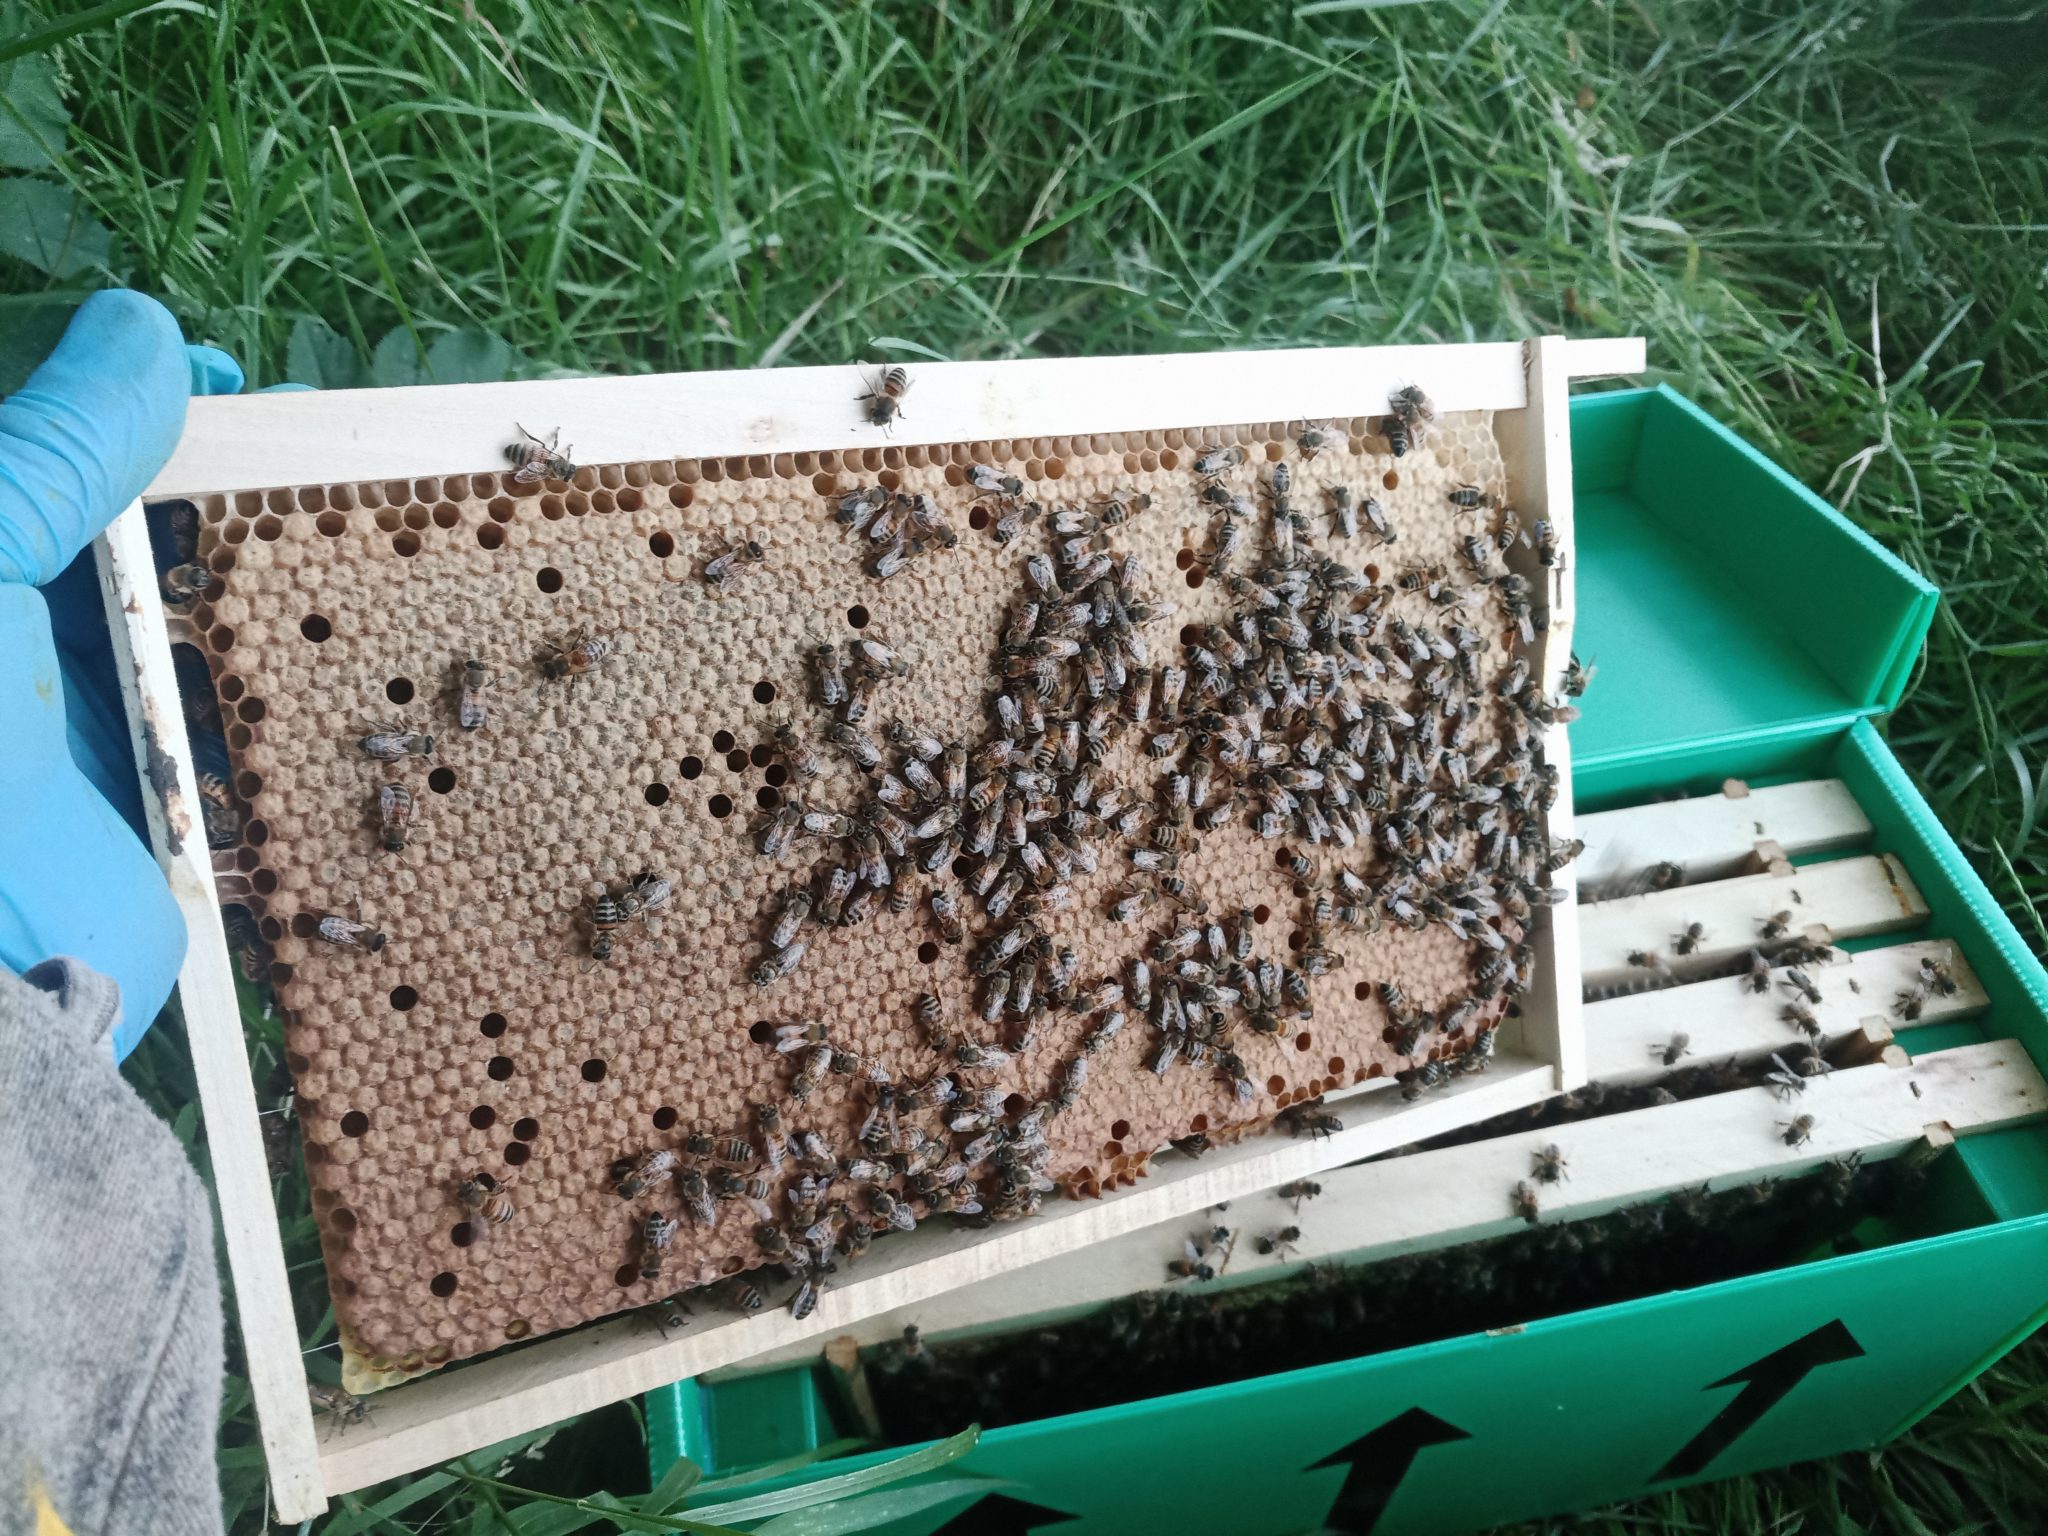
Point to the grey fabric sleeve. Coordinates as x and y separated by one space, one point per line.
110 1311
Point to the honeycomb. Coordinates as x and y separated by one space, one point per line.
484 1040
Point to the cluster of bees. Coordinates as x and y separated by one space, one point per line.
1183 1338
1403 787
1313 715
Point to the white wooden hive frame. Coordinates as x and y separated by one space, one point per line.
235 444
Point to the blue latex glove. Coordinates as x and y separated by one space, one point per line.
78 442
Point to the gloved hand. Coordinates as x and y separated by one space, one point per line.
78 442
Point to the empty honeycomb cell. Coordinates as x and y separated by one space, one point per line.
492 1025
404 998
256 833
483 1117
1391 480
1199 1124
593 1070
690 767
662 543
417 517
490 536
251 710
499 1068
442 1284
315 627
1276 1085
221 637
738 761
548 579
526 1128
517 1152
354 1123
656 794
441 780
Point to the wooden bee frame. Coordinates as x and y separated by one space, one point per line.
235 445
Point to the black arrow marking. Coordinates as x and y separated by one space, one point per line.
1765 1383
1378 1461
997 1514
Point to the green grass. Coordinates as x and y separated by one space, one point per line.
1830 219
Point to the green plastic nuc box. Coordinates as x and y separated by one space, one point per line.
1740 628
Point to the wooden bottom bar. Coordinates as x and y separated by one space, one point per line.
1464 1194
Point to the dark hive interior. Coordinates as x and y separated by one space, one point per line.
1347 707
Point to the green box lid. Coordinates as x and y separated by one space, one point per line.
1717 595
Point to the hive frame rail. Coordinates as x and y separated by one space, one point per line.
1455 1195
278 440
1711 837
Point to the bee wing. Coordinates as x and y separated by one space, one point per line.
902 1218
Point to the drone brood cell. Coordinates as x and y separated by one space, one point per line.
552 802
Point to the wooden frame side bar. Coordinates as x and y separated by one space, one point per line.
213 1020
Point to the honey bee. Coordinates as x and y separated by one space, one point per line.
1690 939
741 1295
946 914
656 1233
1680 1044
647 893
994 483
1777 925
1907 1004
1280 1244
485 1199
796 752
768 1121
1546 546
394 816
1313 439
696 1193
185 583
1797 1131
342 1407
1937 976
606 918
1577 677
1299 1190
643 1175
348 933
1550 1164
1798 981
1785 1081
1193 1264
585 653
470 711
1525 1202
217 809
1467 497
733 1151
1414 410
722 567
534 460
780 832
1802 1018
884 397
1758 977
390 743
890 1211
1213 463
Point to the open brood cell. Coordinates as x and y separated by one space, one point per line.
1742 1115
484 1040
